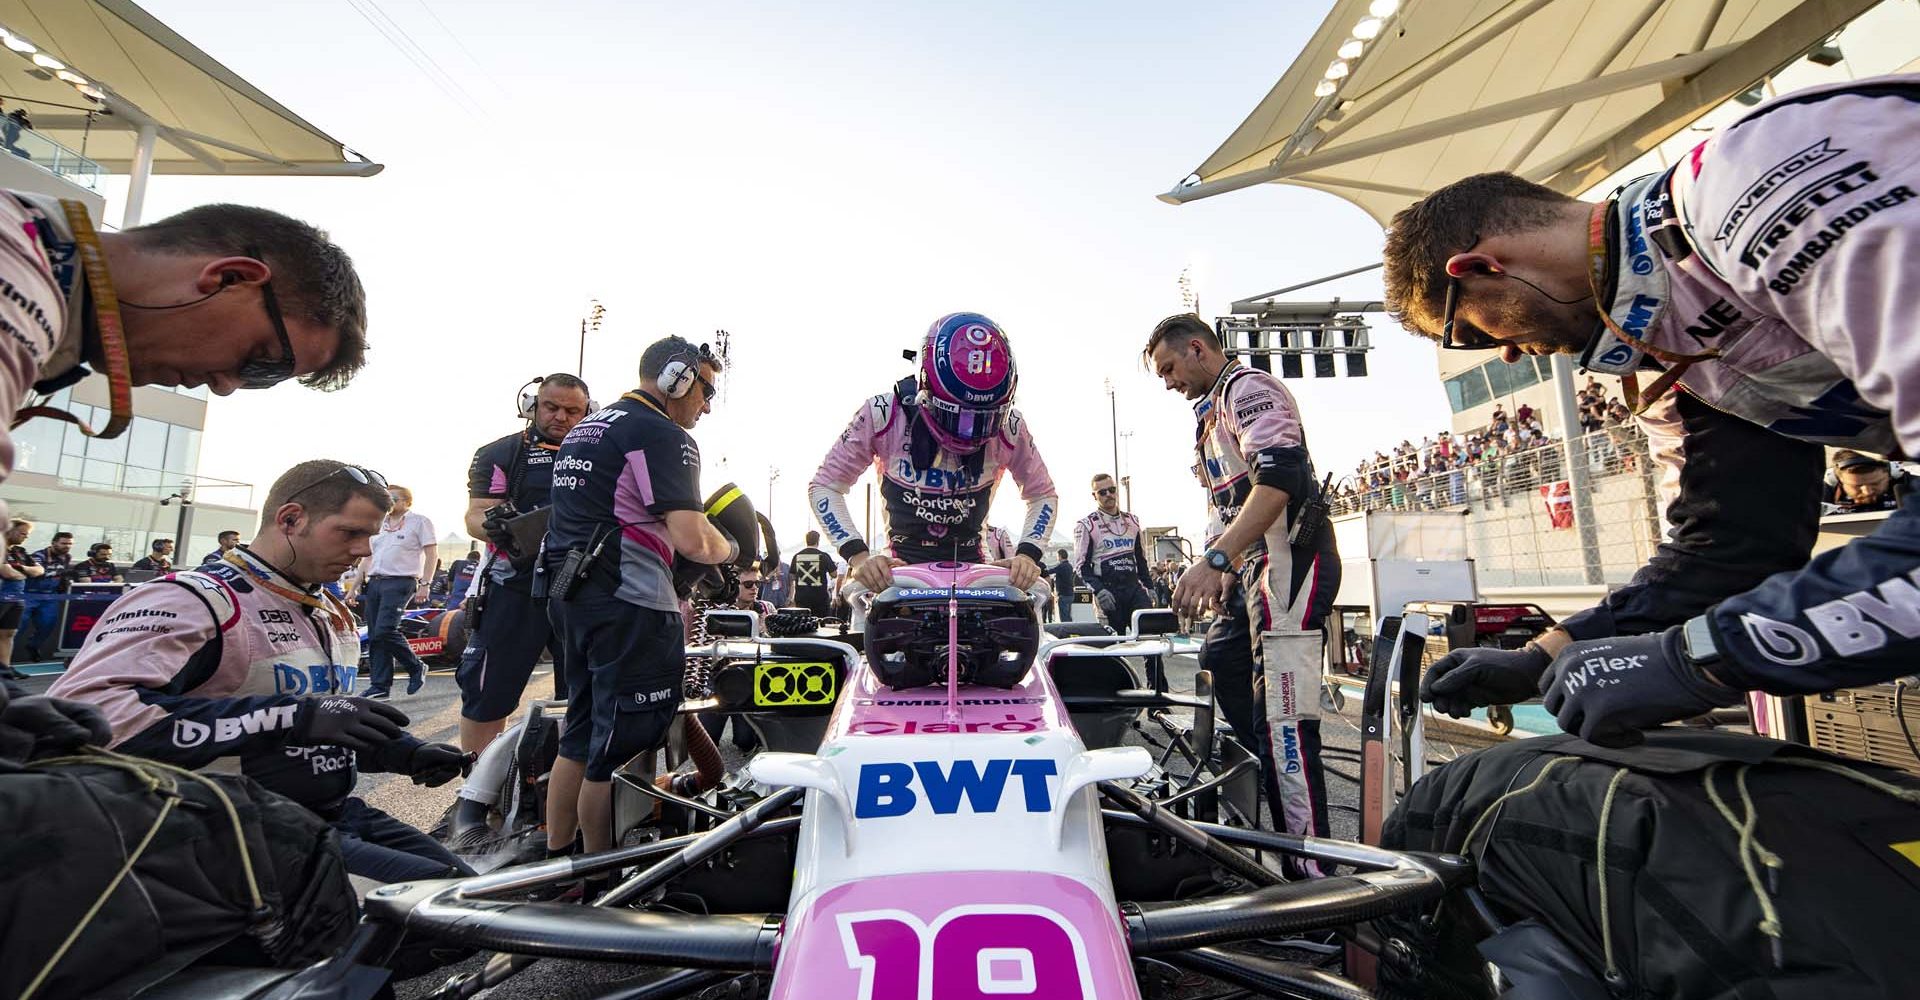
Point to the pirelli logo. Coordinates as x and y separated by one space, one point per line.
780 685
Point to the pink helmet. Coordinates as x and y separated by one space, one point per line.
967 378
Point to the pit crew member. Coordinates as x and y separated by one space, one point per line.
812 572
1759 284
511 477
938 446
247 663
1108 552
626 498
224 296
1272 567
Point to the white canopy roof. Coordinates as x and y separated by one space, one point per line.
1563 92
209 120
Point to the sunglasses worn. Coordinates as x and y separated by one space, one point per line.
1109 491
1455 335
264 373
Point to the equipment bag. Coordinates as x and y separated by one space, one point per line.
118 872
1699 865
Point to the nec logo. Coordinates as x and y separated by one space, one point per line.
887 789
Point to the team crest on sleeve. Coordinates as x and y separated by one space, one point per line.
216 585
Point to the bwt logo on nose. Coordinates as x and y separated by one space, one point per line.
888 789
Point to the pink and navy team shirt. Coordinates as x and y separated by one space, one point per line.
490 476
625 468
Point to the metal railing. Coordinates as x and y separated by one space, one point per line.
1611 452
1522 535
24 142
99 474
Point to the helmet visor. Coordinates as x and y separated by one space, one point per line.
966 425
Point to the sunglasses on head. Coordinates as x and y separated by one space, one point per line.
264 373
365 477
1456 335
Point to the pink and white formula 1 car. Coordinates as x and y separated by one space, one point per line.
952 837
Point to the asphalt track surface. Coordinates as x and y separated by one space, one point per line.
435 716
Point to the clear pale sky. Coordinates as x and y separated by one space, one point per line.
822 180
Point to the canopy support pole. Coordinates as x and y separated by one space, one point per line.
137 182
1579 478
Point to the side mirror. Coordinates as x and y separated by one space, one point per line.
733 624
1090 767
809 771
1155 621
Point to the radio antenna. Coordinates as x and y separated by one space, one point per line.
953 636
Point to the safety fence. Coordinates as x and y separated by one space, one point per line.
1520 509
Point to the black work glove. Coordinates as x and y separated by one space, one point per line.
435 764
39 726
497 532
1466 679
355 723
1607 690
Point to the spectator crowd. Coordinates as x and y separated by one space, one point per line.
1511 453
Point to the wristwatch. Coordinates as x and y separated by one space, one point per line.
1696 642
1218 561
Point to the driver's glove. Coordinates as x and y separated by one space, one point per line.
1105 598
354 723
1466 679
435 764
1607 690
40 726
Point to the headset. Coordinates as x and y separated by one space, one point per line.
680 374
529 401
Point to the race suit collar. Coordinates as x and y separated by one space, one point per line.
1627 271
1629 282
275 581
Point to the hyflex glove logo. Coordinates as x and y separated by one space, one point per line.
1601 671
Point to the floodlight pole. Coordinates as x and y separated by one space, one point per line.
1113 410
592 317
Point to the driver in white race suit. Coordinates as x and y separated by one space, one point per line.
1764 286
938 446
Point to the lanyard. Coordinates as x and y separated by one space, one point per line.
323 601
1598 277
113 340
644 401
